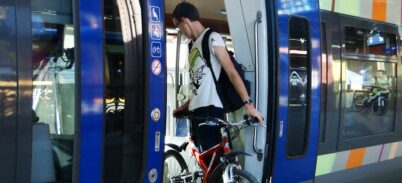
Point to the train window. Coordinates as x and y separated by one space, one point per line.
299 84
124 92
115 98
53 91
369 98
363 41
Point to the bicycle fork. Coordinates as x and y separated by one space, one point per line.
228 173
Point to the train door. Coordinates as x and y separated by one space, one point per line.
15 91
134 90
109 129
82 90
297 106
37 91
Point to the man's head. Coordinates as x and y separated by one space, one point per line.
380 73
186 10
183 16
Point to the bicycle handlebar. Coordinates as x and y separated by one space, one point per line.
216 122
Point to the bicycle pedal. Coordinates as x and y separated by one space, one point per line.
185 177
198 174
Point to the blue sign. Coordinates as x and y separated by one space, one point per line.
155 14
156 33
375 39
156 49
157 92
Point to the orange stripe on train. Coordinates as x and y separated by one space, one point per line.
379 10
356 158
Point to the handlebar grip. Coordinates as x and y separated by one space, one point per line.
253 120
249 120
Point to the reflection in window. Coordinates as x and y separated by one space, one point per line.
53 91
115 98
363 41
124 94
368 98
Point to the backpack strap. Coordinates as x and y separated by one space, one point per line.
190 45
206 52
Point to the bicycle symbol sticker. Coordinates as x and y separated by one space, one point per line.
156 49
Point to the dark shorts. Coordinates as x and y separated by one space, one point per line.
205 137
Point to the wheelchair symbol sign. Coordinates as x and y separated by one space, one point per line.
155 14
156 49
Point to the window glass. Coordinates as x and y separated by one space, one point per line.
368 98
298 102
324 82
53 91
8 91
115 98
363 41
124 93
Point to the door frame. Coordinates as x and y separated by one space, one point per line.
285 168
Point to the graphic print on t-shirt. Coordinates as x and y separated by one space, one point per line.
202 85
196 74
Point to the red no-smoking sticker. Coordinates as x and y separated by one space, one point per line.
156 67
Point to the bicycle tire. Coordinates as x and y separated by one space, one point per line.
179 159
238 174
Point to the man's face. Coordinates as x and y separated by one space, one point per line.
379 74
183 26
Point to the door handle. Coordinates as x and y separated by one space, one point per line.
259 151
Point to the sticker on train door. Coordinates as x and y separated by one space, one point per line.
156 67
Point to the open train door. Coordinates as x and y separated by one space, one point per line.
298 98
128 146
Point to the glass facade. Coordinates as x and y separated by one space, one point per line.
54 94
369 98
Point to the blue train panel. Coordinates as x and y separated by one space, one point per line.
91 90
296 139
156 71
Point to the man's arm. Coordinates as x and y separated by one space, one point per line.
228 67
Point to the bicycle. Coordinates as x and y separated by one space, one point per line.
227 170
367 99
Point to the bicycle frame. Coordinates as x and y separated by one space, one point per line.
214 154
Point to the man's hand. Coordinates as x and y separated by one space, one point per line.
252 112
181 111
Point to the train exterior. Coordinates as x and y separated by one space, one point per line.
87 88
349 154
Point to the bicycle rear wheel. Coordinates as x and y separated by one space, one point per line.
239 176
173 167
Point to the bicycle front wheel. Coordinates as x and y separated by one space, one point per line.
243 176
173 167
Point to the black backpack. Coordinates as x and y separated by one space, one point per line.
230 99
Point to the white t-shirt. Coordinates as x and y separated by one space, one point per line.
203 88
